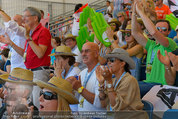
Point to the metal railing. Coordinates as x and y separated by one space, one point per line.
64 21
95 5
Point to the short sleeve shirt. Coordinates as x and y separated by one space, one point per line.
157 74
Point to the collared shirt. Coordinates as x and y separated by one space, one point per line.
40 35
158 70
16 34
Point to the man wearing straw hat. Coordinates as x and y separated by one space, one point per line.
19 83
87 84
71 42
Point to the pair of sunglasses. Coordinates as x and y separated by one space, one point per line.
119 16
127 34
156 0
111 60
48 95
162 28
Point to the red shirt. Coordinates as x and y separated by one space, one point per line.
164 10
40 35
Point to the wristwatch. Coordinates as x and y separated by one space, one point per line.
109 85
29 39
80 89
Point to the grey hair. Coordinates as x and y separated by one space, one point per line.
34 11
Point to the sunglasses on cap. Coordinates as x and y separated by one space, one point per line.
111 60
156 0
48 95
162 28
127 34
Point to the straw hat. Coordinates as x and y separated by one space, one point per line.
68 36
123 55
20 76
127 29
63 50
114 20
61 87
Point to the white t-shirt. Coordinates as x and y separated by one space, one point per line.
91 86
17 35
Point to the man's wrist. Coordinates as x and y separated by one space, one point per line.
168 68
80 90
29 39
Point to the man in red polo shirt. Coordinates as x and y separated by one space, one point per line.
37 48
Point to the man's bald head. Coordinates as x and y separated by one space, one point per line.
90 53
18 18
92 45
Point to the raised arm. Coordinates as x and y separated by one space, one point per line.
170 73
8 41
136 30
150 26
4 16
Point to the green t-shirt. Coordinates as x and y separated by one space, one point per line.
157 74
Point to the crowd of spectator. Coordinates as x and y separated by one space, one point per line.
44 75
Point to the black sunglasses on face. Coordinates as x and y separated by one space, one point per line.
163 28
48 95
119 16
111 60
127 34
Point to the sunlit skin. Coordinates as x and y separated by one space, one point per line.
70 43
48 105
163 24
90 52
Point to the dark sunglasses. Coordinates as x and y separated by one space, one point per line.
163 28
48 95
156 0
127 34
111 60
119 16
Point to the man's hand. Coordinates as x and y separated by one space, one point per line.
174 60
110 33
5 39
139 7
27 28
75 83
164 59
99 76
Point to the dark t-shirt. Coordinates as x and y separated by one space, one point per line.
6 64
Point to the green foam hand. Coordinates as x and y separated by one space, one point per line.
83 37
87 13
99 26
173 20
